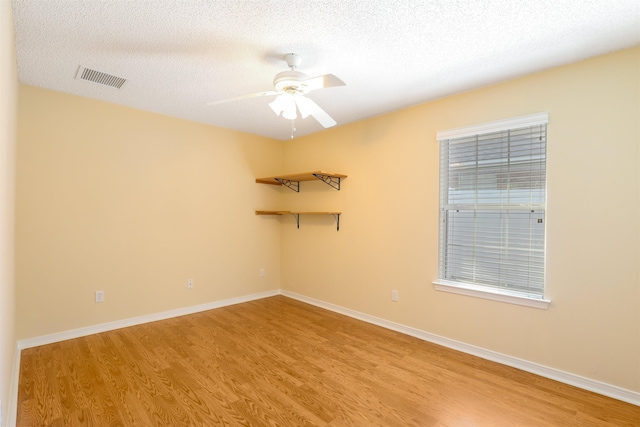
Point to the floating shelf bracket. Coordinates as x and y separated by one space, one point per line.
333 181
294 185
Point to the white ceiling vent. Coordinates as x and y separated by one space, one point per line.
94 76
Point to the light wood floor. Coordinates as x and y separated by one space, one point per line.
279 362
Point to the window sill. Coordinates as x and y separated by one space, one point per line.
474 291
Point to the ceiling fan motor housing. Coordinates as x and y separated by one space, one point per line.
290 82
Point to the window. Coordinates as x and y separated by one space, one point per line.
492 210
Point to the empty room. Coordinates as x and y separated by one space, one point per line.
319 213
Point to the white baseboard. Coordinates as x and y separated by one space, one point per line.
555 374
118 324
534 368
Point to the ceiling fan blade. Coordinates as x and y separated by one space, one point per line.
307 107
237 98
320 82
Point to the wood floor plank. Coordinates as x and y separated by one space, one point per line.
280 362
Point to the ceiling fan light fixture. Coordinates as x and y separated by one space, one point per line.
290 113
290 82
284 105
291 87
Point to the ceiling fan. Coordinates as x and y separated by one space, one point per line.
291 87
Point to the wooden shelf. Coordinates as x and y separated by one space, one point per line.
272 212
292 181
297 214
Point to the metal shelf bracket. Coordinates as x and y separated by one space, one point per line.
337 218
294 185
297 217
333 181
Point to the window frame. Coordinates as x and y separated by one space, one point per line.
478 290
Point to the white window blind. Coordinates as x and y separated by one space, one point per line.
492 206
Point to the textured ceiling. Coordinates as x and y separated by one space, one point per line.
178 55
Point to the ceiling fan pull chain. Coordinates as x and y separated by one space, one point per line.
293 127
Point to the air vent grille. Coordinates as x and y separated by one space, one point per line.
99 77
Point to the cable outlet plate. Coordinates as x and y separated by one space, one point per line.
99 296
190 283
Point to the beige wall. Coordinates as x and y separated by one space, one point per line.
389 228
8 107
135 204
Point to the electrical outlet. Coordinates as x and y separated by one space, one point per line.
190 283
99 296
394 296
262 272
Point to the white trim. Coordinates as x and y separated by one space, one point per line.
497 126
12 407
110 326
534 368
478 292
